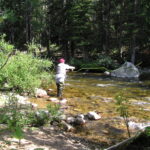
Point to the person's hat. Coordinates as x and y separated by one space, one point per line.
61 60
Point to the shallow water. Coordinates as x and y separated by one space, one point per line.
92 91
95 92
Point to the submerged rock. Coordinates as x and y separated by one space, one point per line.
107 73
141 103
105 85
63 101
127 70
147 98
54 99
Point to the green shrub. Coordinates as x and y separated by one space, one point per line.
147 131
22 71
17 116
6 50
100 62
11 115
5 47
122 105
40 117
54 111
37 118
47 78
107 62
33 47
76 62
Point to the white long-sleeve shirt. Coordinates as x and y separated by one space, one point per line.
61 72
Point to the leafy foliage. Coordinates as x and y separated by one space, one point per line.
147 131
33 48
54 111
122 104
37 118
5 47
41 117
13 117
23 71
102 62
89 26
140 141
17 116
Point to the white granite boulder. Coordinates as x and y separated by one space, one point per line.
127 70
70 120
93 115
40 93
53 99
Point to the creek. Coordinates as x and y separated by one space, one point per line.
96 92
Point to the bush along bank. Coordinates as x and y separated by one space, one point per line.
22 71
17 116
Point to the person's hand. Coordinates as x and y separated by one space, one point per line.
73 68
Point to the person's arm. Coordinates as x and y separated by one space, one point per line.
70 67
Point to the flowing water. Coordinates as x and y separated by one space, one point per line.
95 92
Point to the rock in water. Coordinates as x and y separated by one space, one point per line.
54 99
93 115
40 93
127 70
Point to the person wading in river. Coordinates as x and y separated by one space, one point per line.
61 76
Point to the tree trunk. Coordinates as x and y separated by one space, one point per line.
72 49
134 44
106 22
12 34
28 23
133 51
120 29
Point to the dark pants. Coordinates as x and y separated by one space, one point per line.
60 87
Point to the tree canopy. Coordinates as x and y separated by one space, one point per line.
80 28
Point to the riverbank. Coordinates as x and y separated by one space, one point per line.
93 92
45 138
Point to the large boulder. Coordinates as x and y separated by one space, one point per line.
40 93
127 70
